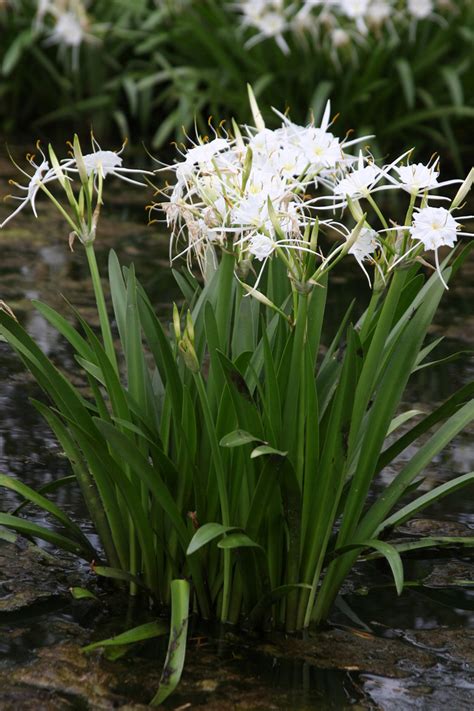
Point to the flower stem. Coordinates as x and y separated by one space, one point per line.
101 307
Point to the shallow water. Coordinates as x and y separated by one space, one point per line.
410 661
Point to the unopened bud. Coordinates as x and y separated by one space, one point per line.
189 354
463 190
176 323
189 326
78 157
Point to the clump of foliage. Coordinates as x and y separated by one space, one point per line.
230 449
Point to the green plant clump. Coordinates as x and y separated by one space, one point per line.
232 450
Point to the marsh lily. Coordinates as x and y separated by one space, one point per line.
103 163
42 174
435 227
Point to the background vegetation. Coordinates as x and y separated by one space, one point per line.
149 68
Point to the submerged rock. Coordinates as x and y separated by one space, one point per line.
30 575
70 678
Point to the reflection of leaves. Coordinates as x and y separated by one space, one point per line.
452 598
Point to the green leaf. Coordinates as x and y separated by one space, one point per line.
46 505
393 559
265 449
48 488
393 492
453 84
269 599
138 634
445 410
425 500
116 574
237 540
8 536
82 594
207 533
407 81
15 51
237 438
173 667
32 529
79 344
387 550
401 419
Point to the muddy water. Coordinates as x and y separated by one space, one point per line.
390 653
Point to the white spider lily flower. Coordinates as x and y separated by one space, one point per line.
104 163
71 26
205 152
251 211
269 18
261 246
365 244
69 30
420 9
360 182
43 7
418 177
340 37
354 9
265 141
364 247
320 147
43 174
434 227
378 12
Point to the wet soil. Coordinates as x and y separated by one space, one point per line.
42 630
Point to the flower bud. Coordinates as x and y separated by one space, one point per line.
188 353
176 323
463 190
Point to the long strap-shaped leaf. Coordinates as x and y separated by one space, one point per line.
46 534
381 413
420 503
146 473
174 662
97 490
43 503
395 490
368 527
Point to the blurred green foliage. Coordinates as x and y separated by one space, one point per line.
147 69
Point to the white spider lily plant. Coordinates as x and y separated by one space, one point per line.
83 199
68 25
81 178
268 193
335 25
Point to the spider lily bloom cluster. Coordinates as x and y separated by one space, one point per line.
266 508
92 168
249 192
335 23
81 204
267 194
